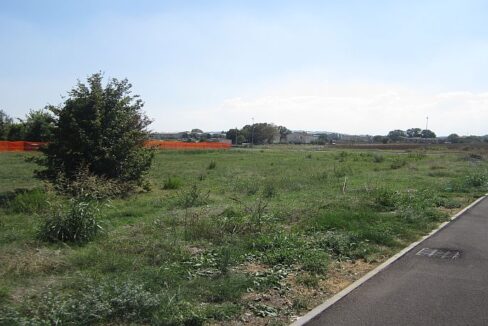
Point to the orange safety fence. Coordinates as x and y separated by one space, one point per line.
178 145
19 146
22 146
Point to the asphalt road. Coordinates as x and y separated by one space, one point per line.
444 289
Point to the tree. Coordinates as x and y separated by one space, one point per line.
260 133
323 139
100 130
396 135
235 136
414 132
39 125
5 123
426 133
16 131
283 131
380 139
453 138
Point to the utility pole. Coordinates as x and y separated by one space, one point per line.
252 133
427 123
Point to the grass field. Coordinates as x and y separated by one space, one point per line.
254 236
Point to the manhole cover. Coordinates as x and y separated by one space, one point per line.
439 253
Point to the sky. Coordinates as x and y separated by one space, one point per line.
357 67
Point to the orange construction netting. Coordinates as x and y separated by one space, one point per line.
22 146
19 146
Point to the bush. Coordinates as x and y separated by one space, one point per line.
269 190
385 198
344 245
86 186
101 129
172 183
77 223
29 201
93 304
477 179
315 261
378 158
398 163
192 197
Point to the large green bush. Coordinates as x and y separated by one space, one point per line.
101 129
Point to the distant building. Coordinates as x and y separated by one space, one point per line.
169 135
301 137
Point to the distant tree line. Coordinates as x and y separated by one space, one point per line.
399 135
258 133
38 126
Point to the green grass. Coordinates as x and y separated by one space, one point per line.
180 253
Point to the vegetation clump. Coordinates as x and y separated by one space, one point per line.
172 183
99 129
76 223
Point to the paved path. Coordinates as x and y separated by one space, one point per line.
423 290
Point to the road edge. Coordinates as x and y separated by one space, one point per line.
338 296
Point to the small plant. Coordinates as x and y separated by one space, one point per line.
385 198
315 261
29 202
224 261
344 245
477 179
212 165
85 185
172 183
77 223
309 155
342 171
193 197
398 163
308 280
378 158
269 190
202 176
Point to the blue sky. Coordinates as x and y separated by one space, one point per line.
348 66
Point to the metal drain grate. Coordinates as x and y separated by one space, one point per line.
439 253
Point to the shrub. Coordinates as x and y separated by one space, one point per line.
101 129
29 201
172 183
398 163
86 186
344 245
269 190
378 158
93 304
477 179
308 280
342 171
438 174
385 198
192 197
446 202
315 261
77 223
